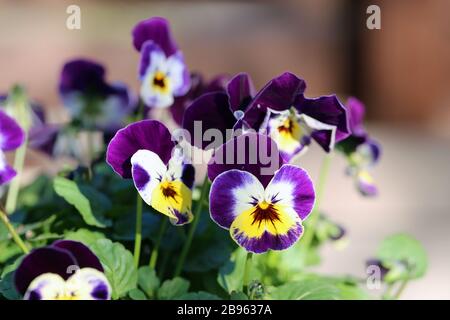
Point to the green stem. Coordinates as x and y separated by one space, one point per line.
247 272
315 214
18 100
13 232
400 289
154 255
138 233
13 191
190 236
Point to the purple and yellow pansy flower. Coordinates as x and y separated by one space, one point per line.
65 270
361 151
145 152
92 102
11 137
282 111
262 210
162 71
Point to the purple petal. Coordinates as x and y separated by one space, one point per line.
43 138
148 50
210 111
6 174
143 135
233 192
240 90
356 112
43 260
279 94
328 110
83 255
292 186
255 153
268 241
188 175
157 30
11 135
84 76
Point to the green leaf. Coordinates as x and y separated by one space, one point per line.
230 275
85 236
7 288
69 190
136 294
118 264
172 289
236 295
306 289
201 295
148 281
404 256
352 292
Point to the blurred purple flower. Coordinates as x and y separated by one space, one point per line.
361 151
11 138
92 102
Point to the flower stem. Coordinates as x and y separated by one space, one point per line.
309 233
154 255
12 231
401 289
138 233
247 272
190 236
17 98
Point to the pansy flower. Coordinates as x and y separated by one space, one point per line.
93 103
65 270
220 110
162 70
262 211
361 151
282 111
143 151
198 87
11 138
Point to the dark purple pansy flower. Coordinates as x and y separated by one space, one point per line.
146 152
162 71
65 270
91 101
361 151
292 120
218 111
11 138
262 205
198 88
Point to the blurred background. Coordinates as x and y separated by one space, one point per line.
401 72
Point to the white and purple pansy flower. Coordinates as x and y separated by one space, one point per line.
282 111
11 138
143 151
162 71
65 270
262 211
361 151
92 102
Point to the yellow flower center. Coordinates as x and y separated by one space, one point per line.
160 81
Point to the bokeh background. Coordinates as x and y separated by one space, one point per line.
401 72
